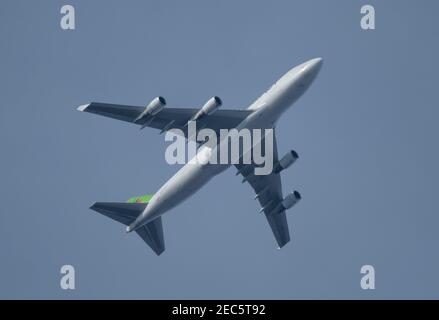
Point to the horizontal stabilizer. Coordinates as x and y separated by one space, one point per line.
122 212
126 213
152 234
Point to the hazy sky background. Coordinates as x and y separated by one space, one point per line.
366 132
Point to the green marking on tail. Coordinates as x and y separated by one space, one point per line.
140 199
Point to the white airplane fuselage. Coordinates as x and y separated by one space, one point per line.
267 109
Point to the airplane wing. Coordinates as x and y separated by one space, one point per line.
268 190
169 118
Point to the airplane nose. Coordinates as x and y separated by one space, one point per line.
309 71
314 65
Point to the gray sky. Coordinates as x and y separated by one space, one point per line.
366 133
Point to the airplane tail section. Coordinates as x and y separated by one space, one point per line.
121 212
126 213
152 234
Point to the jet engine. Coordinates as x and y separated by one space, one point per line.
286 161
209 107
290 200
155 106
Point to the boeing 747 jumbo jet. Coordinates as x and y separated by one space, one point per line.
143 214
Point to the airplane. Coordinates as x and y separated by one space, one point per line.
144 214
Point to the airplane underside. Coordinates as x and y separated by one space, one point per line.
143 214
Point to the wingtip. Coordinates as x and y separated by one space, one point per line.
159 251
83 107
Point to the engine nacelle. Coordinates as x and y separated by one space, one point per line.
155 106
291 199
286 161
209 107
